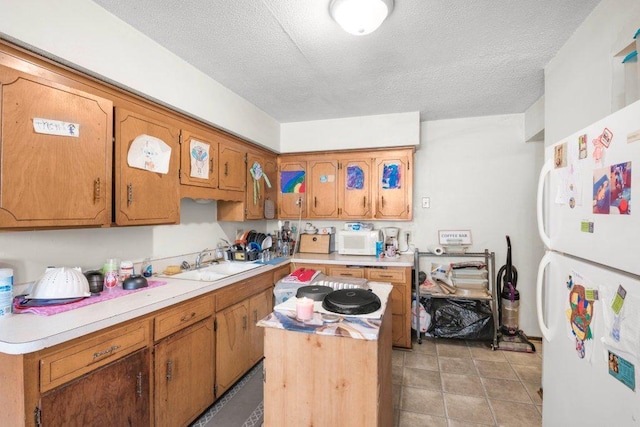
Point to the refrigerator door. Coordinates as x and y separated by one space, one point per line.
578 387
589 192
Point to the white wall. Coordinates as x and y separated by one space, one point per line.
482 176
578 80
388 130
82 33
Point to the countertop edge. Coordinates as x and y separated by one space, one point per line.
92 319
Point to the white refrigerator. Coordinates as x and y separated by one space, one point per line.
588 289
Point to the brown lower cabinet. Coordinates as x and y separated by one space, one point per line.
114 395
239 341
184 374
162 369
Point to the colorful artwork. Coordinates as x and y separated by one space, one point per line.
620 193
199 159
355 178
600 144
580 314
601 191
292 182
560 155
391 176
582 146
622 370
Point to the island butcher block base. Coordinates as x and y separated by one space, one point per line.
317 380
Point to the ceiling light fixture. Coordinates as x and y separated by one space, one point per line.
360 17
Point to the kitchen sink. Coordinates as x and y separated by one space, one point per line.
215 272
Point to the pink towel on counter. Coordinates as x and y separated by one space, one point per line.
105 295
301 275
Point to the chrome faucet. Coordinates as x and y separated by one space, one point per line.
200 256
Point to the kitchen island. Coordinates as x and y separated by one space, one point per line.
323 375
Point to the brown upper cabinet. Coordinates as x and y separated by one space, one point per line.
232 165
259 165
146 193
353 185
292 180
394 185
198 159
55 154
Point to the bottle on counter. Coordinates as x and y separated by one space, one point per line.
126 270
147 268
6 291
110 271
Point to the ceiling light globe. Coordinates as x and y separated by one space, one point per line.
359 17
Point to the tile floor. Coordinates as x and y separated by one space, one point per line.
454 383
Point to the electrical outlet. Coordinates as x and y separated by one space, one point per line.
426 202
408 236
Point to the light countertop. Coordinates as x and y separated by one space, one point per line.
26 333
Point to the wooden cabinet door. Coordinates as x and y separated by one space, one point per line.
184 374
292 189
198 160
115 395
259 306
232 167
323 188
393 186
401 334
143 196
355 189
232 345
55 154
255 189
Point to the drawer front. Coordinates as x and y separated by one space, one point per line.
322 268
240 291
75 361
388 275
347 272
177 318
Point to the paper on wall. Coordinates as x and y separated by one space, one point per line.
149 153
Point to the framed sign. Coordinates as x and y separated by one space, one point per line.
454 237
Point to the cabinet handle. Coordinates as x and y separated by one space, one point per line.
129 194
96 190
315 202
255 316
386 276
244 322
346 275
364 202
211 165
382 201
139 384
169 370
226 168
106 352
188 317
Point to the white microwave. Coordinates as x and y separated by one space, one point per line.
357 242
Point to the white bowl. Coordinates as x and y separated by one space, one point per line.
59 283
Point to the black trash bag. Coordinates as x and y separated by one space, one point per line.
466 319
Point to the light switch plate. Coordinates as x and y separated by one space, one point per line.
426 202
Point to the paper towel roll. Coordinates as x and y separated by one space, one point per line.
437 250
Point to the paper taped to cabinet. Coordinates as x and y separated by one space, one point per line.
149 153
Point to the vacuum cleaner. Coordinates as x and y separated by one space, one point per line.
511 338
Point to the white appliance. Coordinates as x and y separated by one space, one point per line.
591 358
361 242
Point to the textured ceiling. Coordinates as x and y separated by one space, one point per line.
446 59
